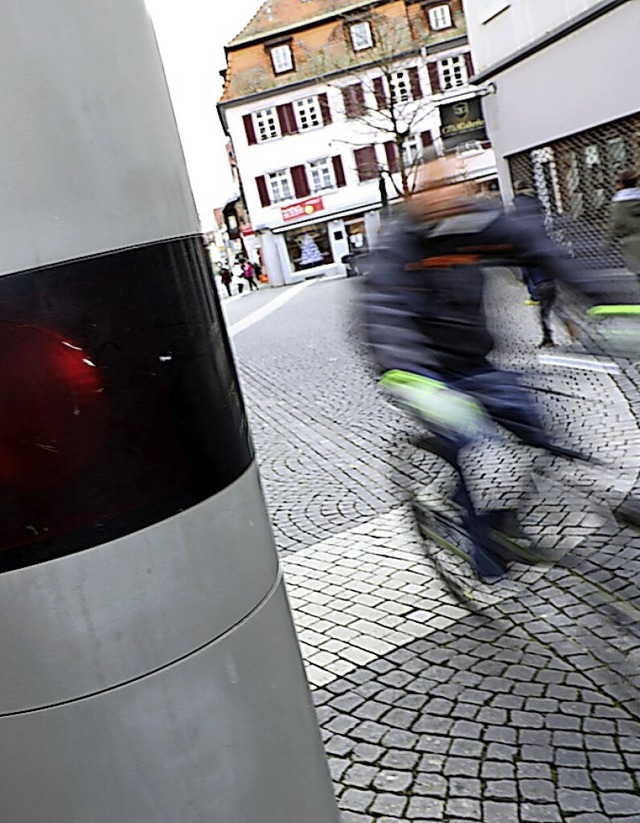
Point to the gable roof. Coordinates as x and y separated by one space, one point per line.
276 16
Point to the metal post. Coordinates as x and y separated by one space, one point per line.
150 666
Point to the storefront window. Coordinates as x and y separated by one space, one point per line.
357 236
309 247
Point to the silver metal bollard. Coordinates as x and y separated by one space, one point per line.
150 669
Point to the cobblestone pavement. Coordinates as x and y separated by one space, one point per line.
432 708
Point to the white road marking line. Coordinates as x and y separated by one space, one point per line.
264 311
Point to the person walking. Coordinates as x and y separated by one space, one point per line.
542 291
248 274
625 218
238 273
225 278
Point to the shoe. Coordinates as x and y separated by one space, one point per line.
505 538
530 302
489 567
629 511
546 344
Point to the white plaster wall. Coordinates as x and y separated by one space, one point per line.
575 84
497 28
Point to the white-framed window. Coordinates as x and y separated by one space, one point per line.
320 175
439 17
280 185
361 36
411 151
267 124
400 87
452 72
281 58
308 113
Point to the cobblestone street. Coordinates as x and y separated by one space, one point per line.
433 708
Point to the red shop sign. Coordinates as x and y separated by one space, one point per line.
302 209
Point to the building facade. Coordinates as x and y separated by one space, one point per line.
329 106
564 114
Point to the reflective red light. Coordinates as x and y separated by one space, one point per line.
51 407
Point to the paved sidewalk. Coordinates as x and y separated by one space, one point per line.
433 710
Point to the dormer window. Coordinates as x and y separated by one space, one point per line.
439 17
361 36
281 58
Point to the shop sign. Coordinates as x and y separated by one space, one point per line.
302 209
459 119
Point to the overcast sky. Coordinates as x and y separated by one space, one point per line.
191 35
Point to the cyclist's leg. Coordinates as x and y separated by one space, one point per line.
508 403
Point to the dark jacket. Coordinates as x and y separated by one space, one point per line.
422 306
526 204
625 225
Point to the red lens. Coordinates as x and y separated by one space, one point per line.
51 407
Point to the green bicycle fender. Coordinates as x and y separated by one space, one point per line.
614 311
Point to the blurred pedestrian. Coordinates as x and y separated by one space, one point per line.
225 278
248 272
424 320
542 291
238 274
625 218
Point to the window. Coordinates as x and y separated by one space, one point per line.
281 58
280 185
309 246
617 153
411 152
320 175
308 113
400 87
452 72
439 17
594 175
266 124
361 36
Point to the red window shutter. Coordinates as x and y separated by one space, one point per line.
287 119
353 98
249 129
263 191
325 109
434 78
300 182
366 163
338 170
379 92
469 61
427 139
414 79
391 151
347 100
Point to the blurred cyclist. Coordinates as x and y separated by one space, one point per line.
424 320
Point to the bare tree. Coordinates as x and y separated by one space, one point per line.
382 92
